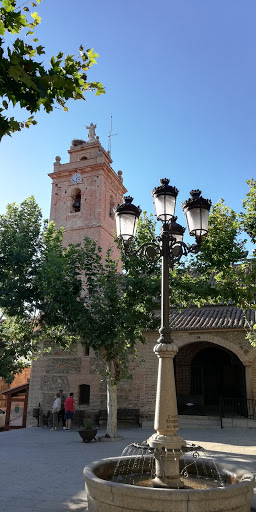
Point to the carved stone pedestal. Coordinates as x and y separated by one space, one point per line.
166 442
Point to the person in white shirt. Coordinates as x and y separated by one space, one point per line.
55 412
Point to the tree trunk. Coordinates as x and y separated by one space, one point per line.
111 405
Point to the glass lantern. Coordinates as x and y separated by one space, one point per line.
176 230
197 210
165 200
127 216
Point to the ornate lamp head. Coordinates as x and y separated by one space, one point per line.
176 230
165 200
127 216
196 209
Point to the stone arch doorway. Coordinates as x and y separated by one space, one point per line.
204 372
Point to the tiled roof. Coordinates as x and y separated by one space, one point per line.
210 317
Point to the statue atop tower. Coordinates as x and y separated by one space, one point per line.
91 132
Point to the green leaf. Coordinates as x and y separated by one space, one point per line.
14 72
92 56
8 5
36 17
40 50
2 28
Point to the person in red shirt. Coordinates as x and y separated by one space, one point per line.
69 410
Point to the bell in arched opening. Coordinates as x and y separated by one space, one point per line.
77 202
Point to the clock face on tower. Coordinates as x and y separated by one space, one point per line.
76 178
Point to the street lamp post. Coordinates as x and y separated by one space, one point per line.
170 247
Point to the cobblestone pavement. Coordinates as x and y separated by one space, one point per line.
42 471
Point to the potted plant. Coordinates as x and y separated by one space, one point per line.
88 433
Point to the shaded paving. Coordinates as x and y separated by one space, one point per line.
42 471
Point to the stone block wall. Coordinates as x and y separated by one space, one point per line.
67 371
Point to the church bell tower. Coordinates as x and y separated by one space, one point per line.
84 193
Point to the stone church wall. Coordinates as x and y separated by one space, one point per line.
68 370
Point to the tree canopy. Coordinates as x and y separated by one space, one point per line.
248 217
222 271
25 80
25 243
69 295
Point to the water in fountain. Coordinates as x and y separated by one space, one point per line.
198 470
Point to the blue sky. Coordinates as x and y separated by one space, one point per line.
180 82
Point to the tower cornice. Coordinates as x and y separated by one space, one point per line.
89 146
67 171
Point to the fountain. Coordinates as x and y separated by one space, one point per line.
106 495
168 475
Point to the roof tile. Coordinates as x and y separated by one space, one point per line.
210 317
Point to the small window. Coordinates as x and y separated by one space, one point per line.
84 394
86 351
111 207
83 158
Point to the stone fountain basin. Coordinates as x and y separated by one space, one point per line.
108 496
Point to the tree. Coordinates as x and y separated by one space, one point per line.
248 217
25 81
25 244
107 311
69 295
222 270
20 243
20 246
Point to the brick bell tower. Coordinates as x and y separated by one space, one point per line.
84 193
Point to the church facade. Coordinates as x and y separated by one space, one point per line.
214 361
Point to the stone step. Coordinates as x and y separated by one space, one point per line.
189 421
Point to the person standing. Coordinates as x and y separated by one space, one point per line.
55 412
62 408
69 410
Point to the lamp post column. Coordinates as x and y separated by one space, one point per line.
165 441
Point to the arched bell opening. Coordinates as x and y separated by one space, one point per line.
206 373
112 204
76 200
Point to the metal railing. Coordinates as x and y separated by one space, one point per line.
237 408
